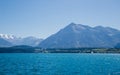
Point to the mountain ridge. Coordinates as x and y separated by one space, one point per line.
78 35
72 36
4 43
30 40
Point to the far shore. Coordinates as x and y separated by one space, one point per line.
57 50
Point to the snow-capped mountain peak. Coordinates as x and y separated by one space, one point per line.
6 36
31 41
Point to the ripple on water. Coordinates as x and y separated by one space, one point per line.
59 64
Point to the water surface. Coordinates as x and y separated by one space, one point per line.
59 64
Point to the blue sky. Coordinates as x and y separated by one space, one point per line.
41 18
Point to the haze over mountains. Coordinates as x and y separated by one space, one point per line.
72 36
78 35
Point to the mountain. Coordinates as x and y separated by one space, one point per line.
78 35
10 38
31 41
7 37
117 45
4 43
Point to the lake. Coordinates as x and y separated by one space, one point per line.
59 64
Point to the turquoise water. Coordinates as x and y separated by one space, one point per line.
59 64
